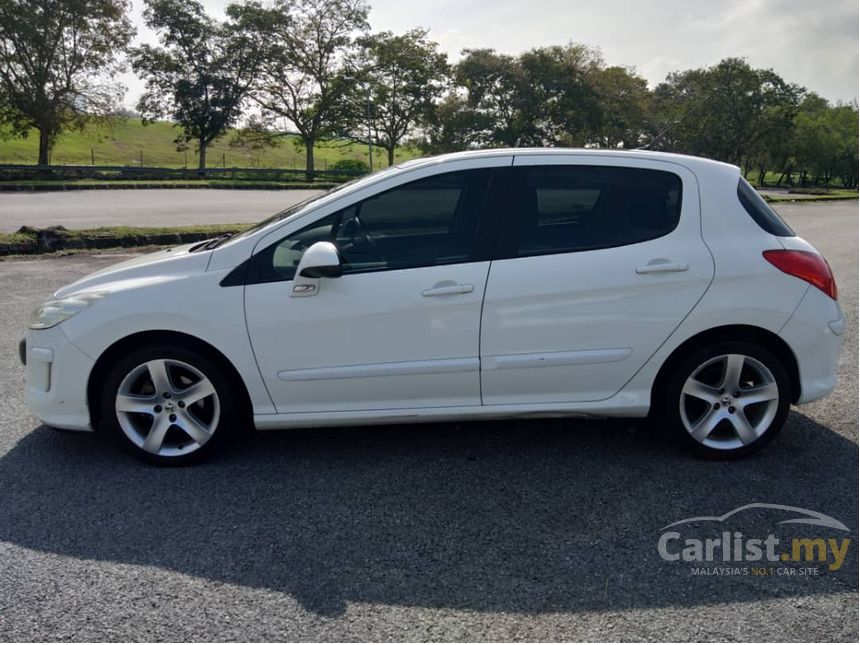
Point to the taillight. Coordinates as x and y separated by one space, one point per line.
807 266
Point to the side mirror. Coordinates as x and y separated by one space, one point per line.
321 260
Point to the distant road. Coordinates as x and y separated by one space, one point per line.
173 207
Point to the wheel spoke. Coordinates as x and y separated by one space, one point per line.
196 392
155 438
732 374
705 426
160 377
746 433
193 428
759 394
135 403
699 390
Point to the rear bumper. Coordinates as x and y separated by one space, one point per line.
56 374
814 333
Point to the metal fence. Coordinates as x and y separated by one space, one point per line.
12 172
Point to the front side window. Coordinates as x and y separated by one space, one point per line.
431 221
563 209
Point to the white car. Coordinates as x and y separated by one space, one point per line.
479 285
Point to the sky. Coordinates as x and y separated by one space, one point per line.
814 44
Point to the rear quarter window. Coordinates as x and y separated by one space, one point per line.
761 212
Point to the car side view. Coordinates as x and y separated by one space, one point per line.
477 285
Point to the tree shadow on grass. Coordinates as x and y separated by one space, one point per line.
526 516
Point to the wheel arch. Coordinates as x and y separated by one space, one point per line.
749 333
154 337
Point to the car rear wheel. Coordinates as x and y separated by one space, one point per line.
169 405
728 400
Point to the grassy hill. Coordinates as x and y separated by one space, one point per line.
124 142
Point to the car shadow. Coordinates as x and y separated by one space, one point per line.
526 516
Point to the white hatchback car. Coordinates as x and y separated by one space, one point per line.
491 284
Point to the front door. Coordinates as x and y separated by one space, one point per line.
400 328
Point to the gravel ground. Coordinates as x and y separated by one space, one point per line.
539 530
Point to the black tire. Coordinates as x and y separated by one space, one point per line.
766 417
226 407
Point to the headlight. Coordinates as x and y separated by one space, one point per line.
54 312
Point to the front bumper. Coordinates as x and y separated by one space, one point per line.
57 373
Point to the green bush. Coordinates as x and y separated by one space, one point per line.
350 165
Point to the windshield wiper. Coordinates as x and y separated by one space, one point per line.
214 242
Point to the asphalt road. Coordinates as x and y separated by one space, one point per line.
539 530
174 207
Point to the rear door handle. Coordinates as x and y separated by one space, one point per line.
662 266
443 289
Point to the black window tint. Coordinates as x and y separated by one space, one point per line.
561 209
428 222
760 210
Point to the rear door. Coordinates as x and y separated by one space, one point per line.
597 262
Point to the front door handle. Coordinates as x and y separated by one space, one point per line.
662 266
447 288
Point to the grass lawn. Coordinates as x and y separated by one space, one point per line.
124 142
27 242
816 196
61 184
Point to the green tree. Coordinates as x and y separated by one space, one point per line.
825 142
201 74
552 96
56 62
451 125
402 77
498 91
844 118
310 68
726 112
622 107
562 95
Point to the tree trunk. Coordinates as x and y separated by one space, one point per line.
390 154
202 147
309 159
44 146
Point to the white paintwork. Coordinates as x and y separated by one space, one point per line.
389 322
590 301
557 335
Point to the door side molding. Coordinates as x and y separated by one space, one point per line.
399 368
556 359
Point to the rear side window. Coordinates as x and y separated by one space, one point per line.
760 210
563 209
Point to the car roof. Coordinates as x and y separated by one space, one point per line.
689 161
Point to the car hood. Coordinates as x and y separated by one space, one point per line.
167 264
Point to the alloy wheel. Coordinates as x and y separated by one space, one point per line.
167 407
729 401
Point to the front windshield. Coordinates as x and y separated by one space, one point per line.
295 208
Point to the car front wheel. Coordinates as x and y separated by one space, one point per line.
169 405
729 399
